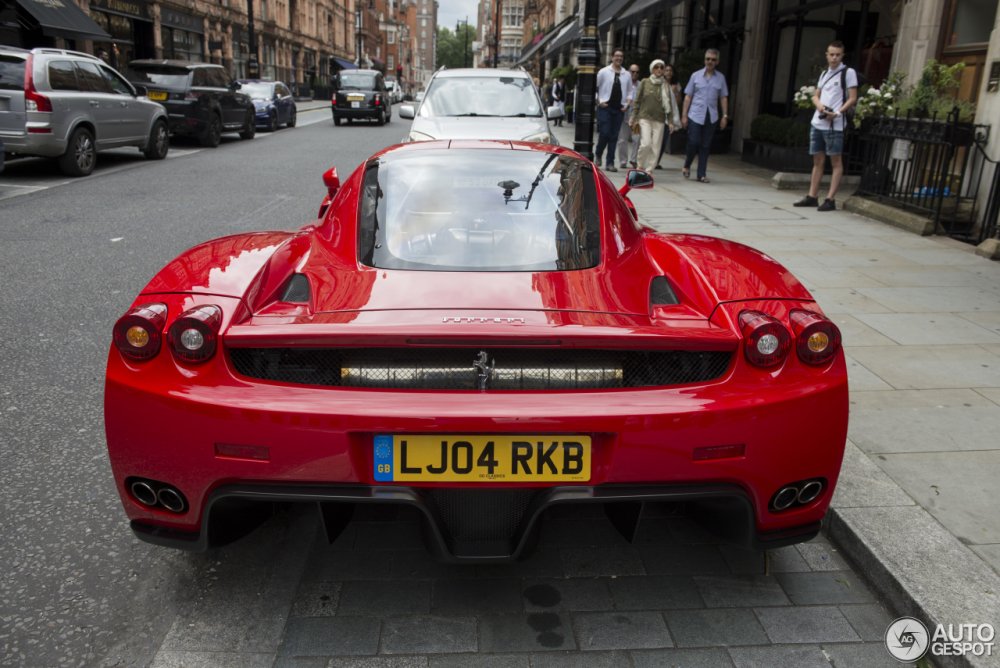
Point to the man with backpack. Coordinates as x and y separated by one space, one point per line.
836 93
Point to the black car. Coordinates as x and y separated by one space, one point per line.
361 94
201 99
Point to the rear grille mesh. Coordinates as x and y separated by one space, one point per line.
479 369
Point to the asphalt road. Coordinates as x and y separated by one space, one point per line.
77 589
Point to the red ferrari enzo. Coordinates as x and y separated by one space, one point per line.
480 330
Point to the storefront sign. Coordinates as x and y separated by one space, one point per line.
137 9
176 19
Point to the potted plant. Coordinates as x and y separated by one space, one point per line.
778 143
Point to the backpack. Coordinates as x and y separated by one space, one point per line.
849 114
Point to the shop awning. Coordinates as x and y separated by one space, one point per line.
62 18
344 64
640 9
568 35
610 10
542 40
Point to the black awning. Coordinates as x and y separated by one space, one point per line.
610 10
344 64
62 18
640 9
543 40
568 35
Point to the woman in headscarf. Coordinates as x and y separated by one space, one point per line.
654 107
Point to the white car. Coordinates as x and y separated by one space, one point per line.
477 103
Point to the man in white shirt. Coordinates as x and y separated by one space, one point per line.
614 94
836 92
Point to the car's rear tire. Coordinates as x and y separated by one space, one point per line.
337 120
381 117
158 143
81 154
388 114
213 132
272 122
249 130
292 120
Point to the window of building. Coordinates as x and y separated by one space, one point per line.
970 22
390 62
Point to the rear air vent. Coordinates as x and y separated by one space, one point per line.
660 292
297 289
479 369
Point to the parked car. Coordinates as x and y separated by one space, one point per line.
395 90
69 105
201 99
273 102
360 94
478 103
479 330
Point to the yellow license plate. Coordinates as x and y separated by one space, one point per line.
481 458
159 96
352 98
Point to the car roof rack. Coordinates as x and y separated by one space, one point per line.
66 52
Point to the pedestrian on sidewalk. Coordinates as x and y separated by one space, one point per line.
654 108
675 95
614 93
558 94
706 90
628 140
836 92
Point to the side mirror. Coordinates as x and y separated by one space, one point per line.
235 85
406 111
140 90
332 183
554 112
638 179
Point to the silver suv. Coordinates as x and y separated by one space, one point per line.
69 105
481 104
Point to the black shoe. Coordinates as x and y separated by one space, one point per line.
657 167
634 164
827 205
611 168
808 200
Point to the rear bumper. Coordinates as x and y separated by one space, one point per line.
452 524
364 112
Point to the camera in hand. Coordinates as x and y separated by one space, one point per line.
827 113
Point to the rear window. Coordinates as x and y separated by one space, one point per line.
482 96
357 81
62 75
479 210
158 75
11 73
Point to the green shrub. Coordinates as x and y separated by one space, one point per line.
780 131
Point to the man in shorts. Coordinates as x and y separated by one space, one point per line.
836 92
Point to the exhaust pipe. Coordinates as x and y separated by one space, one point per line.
171 499
785 498
143 493
810 491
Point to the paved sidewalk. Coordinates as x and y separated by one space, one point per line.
916 507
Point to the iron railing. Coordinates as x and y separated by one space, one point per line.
936 168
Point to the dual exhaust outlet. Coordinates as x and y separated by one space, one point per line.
797 494
153 494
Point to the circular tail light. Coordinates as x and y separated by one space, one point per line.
817 340
766 341
194 335
139 333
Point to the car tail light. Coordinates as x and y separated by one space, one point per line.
33 100
378 99
817 339
194 335
766 341
139 333
191 96
333 100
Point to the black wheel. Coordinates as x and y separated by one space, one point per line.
272 122
213 132
250 127
337 120
80 156
388 114
380 120
292 119
159 142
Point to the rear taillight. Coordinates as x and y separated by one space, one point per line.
378 99
333 100
191 96
194 335
817 339
766 341
33 100
139 333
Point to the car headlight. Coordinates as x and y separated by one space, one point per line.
419 136
541 138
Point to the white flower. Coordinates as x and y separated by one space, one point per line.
887 95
